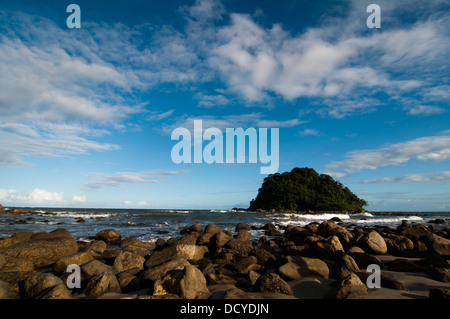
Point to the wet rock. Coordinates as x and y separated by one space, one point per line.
55 292
96 248
102 283
298 267
348 287
439 274
60 232
127 260
373 243
192 284
38 282
7 291
109 236
43 252
78 258
439 293
93 268
188 252
272 283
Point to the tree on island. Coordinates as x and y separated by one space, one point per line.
304 189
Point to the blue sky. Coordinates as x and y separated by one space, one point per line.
86 114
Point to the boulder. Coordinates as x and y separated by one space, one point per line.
241 226
43 252
7 291
17 264
236 293
439 293
344 265
242 248
437 244
298 267
192 284
157 272
414 232
55 292
348 287
2 261
217 241
93 268
247 264
102 283
96 248
212 229
329 228
264 257
400 246
136 246
109 236
439 274
60 232
128 282
127 260
373 243
272 283
38 282
188 252
197 228
244 235
78 258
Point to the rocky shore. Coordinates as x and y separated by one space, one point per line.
316 261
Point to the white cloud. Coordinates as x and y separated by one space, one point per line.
436 148
255 120
79 199
311 132
435 177
119 179
425 110
35 197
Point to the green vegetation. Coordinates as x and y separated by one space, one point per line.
304 189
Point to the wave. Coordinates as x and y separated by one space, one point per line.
90 215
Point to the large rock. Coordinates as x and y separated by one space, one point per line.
438 244
7 291
329 228
414 232
17 264
55 292
78 259
188 252
192 284
136 246
348 287
93 268
96 248
43 252
109 236
60 232
102 283
128 282
373 243
35 284
127 260
153 274
272 283
242 248
400 246
217 241
298 267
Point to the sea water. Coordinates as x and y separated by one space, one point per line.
150 224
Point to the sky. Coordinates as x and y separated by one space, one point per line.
87 114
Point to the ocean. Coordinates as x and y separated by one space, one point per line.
150 224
